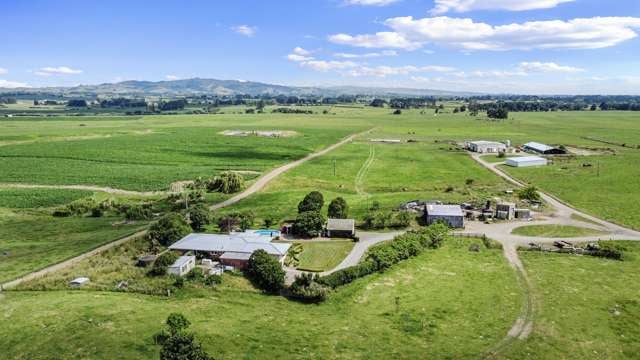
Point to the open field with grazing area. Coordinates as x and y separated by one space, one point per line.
451 302
236 321
588 307
559 231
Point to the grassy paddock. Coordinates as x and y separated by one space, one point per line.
413 310
559 231
588 307
39 198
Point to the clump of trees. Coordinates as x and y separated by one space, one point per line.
169 229
199 217
228 182
265 272
310 222
177 343
241 220
380 219
338 209
498 113
77 103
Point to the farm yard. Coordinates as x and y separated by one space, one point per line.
428 304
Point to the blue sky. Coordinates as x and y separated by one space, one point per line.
523 46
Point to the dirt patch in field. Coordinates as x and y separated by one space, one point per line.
589 152
262 133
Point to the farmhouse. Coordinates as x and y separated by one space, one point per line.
341 228
449 214
232 249
542 149
526 161
182 266
486 147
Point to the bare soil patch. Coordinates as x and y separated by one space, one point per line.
262 133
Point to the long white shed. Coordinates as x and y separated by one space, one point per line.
526 161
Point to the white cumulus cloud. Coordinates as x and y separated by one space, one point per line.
3 71
367 55
383 71
443 6
583 33
172 77
547 67
12 84
301 51
245 30
60 70
370 2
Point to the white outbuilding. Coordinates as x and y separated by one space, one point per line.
487 147
182 266
526 161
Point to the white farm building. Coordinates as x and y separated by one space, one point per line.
526 161
487 147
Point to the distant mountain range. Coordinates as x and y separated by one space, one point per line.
197 86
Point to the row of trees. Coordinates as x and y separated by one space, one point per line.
310 221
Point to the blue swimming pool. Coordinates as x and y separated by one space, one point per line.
268 232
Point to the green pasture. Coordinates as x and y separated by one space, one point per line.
559 231
320 256
411 311
586 307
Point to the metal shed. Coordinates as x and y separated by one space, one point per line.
542 148
451 215
526 161
341 228
486 146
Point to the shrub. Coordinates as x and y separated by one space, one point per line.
178 282
306 288
195 274
159 267
178 344
265 272
313 201
169 229
338 208
469 182
199 217
227 182
97 212
309 224
138 212
529 193
213 280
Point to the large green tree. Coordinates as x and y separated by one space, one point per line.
199 216
338 208
265 272
309 224
313 201
169 229
177 344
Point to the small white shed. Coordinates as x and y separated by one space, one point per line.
78 282
182 266
526 161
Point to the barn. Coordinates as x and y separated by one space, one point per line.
542 149
526 161
449 214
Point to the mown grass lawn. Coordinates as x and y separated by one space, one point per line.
448 303
320 256
587 308
558 231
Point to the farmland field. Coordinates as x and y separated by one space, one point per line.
559 231
234 319
589 307
414 307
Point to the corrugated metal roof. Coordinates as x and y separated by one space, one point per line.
230 255
484 142
246 242
444 210
538 146
524 159
341 224
182 260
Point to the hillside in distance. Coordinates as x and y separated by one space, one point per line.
198 86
